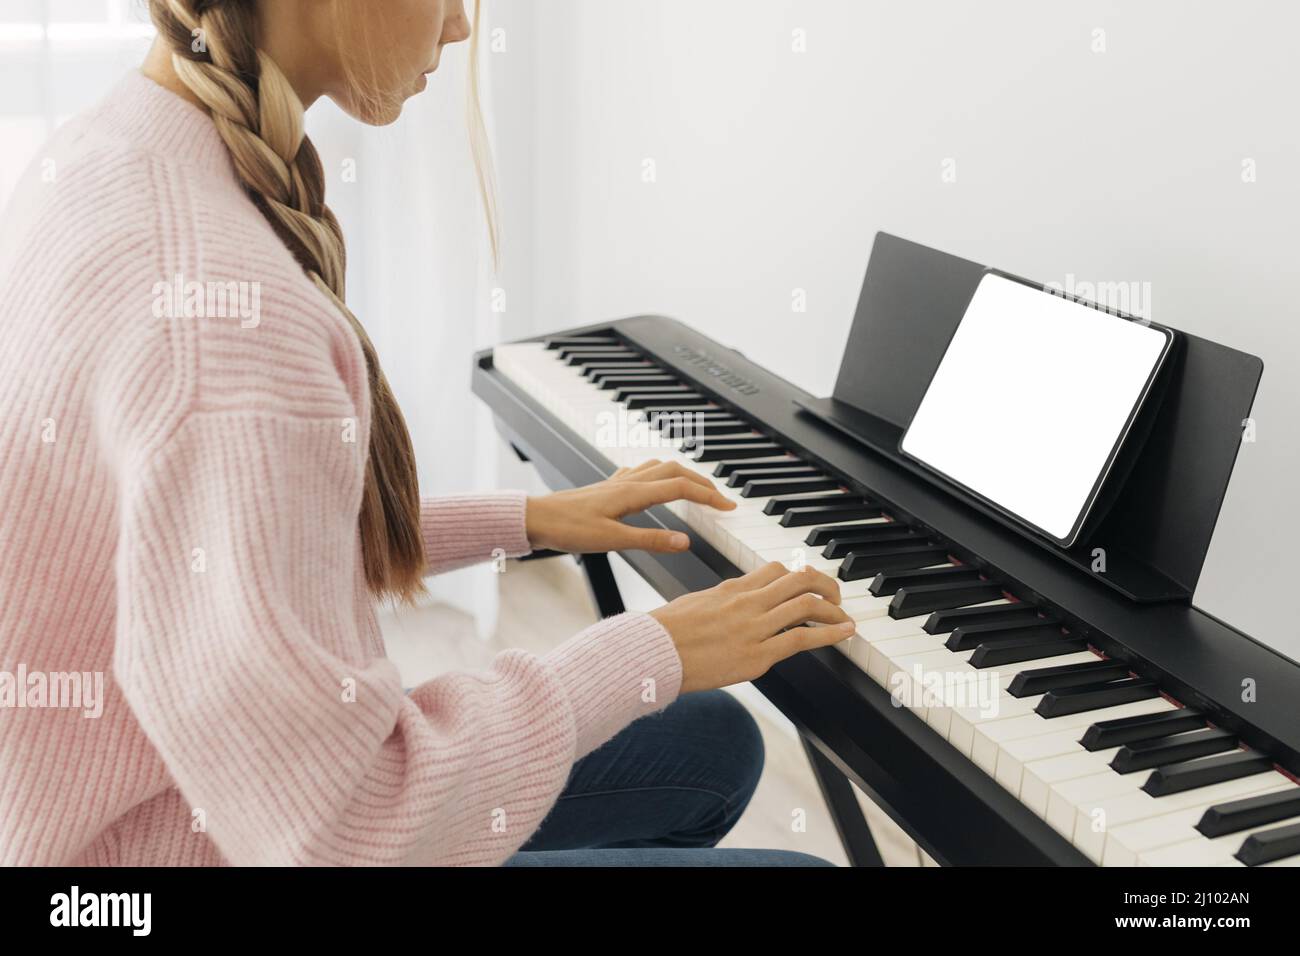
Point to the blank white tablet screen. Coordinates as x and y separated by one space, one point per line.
1030 399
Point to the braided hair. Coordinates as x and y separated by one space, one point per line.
260 119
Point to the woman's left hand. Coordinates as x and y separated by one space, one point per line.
586 520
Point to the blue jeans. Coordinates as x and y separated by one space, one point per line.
662 792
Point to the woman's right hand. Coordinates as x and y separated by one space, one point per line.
735 631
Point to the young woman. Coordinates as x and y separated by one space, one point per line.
200 512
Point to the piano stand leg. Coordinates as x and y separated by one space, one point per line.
846 812
601 584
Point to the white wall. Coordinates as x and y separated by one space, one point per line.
775 168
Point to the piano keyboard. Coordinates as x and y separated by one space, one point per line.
1126 774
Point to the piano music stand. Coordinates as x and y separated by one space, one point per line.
1157 527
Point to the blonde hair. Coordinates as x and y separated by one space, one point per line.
260 118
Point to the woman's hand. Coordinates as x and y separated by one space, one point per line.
735 631
586 520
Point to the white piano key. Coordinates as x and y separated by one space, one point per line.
1125 843
1205 852
1123 808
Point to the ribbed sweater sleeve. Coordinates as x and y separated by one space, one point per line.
460 530
293 753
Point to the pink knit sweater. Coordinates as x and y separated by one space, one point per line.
178 515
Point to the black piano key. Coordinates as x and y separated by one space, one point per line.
651 411
655 400
863 564
1270 845
889 582
730 451
820 514
741 476
1191 774
625 392
905 543
564 341
970 636
1123 730
941 622
1238 815
780 505
744 441
699 430
818 537
1025 649
1145 754
610 359
924 598
616 378
766 487
842 547
618 351
598 349
1042 679
725 469
1077 700
589 371
687 417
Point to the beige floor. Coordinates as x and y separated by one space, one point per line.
542 603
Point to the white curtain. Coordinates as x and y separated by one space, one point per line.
419 275
56 58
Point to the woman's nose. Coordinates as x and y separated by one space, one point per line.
455 29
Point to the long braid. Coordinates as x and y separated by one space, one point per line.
260 119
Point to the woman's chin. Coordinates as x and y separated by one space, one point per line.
377 111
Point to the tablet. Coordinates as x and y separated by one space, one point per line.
1032 402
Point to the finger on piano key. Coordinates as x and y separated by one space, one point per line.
796 558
